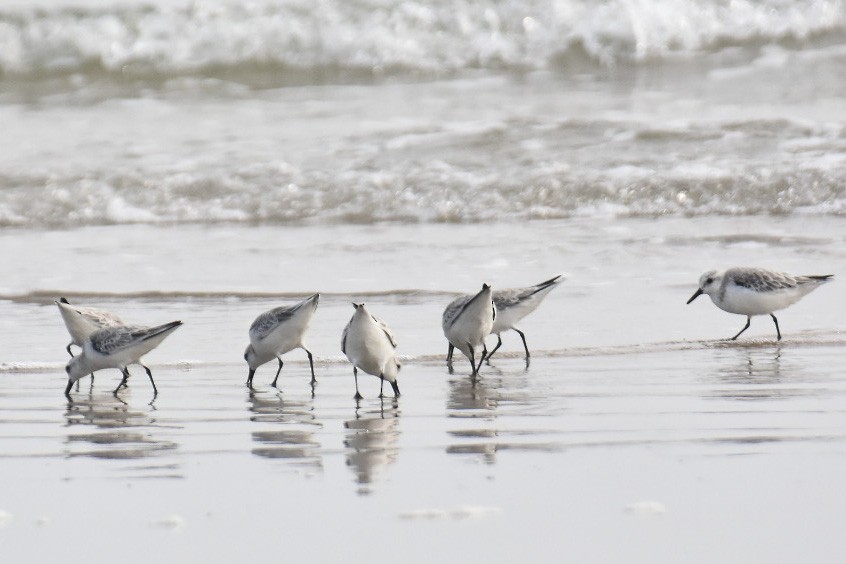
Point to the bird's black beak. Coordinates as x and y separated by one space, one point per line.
250 377
695 295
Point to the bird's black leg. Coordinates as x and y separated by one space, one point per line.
449 353
357 396
68 348
68 389
778 332
311 365
92 381
745 327
525 346
472 359
125 372
279 358
496 348
381 386
150 375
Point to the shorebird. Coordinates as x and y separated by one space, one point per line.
370 345
466 322
117 347
755 291
81 322
512 305
277 332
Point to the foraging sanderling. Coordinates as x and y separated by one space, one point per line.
755 291
466 322
81 322
512 305
370 345
117 347
277 332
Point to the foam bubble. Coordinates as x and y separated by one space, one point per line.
456 514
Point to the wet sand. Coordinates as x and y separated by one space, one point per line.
694 456
635 434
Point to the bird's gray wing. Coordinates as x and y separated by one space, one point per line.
112 339
387 330
270 320
453 309
761 280
344 337
505 299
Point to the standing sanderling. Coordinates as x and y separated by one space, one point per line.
278 331
512 305
370 345
755 291
466 322
117 347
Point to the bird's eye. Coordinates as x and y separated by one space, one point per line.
709 281
67 368
245 357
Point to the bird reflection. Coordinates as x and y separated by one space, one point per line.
103 426
479 404
476 401
752 374
294 425
371 440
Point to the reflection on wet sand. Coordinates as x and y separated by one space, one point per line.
754 374
473 397
371 441
484 400
293 439
107 428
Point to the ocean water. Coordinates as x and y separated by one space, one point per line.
206 161
368 111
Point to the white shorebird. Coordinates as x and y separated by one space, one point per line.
370 345
117 347
81 322
277 332
466 322
755 291
512 305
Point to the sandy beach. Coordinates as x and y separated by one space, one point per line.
635 434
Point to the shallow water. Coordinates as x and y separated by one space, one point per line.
613 457
634 434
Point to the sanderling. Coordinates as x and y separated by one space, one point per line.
370 345
117 347
83 321
466 322
755 291
512 305
278 331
